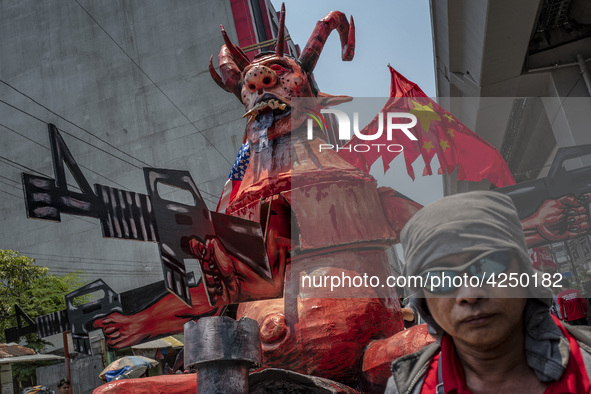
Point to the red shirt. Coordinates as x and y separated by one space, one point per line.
571 304
573 380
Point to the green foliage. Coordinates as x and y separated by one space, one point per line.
16 274
46 294
29 286
23 372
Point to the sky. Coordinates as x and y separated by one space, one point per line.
395 32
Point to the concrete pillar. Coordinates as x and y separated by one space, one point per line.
6 379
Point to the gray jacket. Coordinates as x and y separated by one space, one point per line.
408 372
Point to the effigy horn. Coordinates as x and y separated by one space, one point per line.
334 20
238 56
230 80
281 33
216 77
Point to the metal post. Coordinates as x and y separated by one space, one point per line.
223 350
67 356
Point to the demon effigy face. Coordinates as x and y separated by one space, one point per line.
267 85
270 84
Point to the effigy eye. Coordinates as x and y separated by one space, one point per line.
278 69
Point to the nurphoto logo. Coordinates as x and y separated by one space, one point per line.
395 122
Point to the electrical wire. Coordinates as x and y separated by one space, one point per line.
102 272
10 194
80 165
12 180
150 79
88 132
15 164
211 194
82 258
93 135
22 135
94 172
101 264
75 125
20 166
28 231
8 184
72 135
100 268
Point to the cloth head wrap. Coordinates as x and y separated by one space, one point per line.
478 222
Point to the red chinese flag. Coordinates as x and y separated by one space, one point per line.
438 133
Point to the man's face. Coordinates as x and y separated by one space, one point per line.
481 317
64 389
269 85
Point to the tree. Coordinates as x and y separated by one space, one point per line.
29 286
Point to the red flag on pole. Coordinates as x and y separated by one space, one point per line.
438 133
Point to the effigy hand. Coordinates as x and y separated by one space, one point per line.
122 330
165 317
219 270
557 220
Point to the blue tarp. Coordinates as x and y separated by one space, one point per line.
112 374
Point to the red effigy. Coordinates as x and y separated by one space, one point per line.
169 384
320 215
340 222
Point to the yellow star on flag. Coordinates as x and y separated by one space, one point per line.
451 132
428 145
424 114
444 144
449 117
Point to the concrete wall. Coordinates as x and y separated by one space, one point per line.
84 370
481 50
127 82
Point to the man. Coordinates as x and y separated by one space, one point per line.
489 339
63 387
572 305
